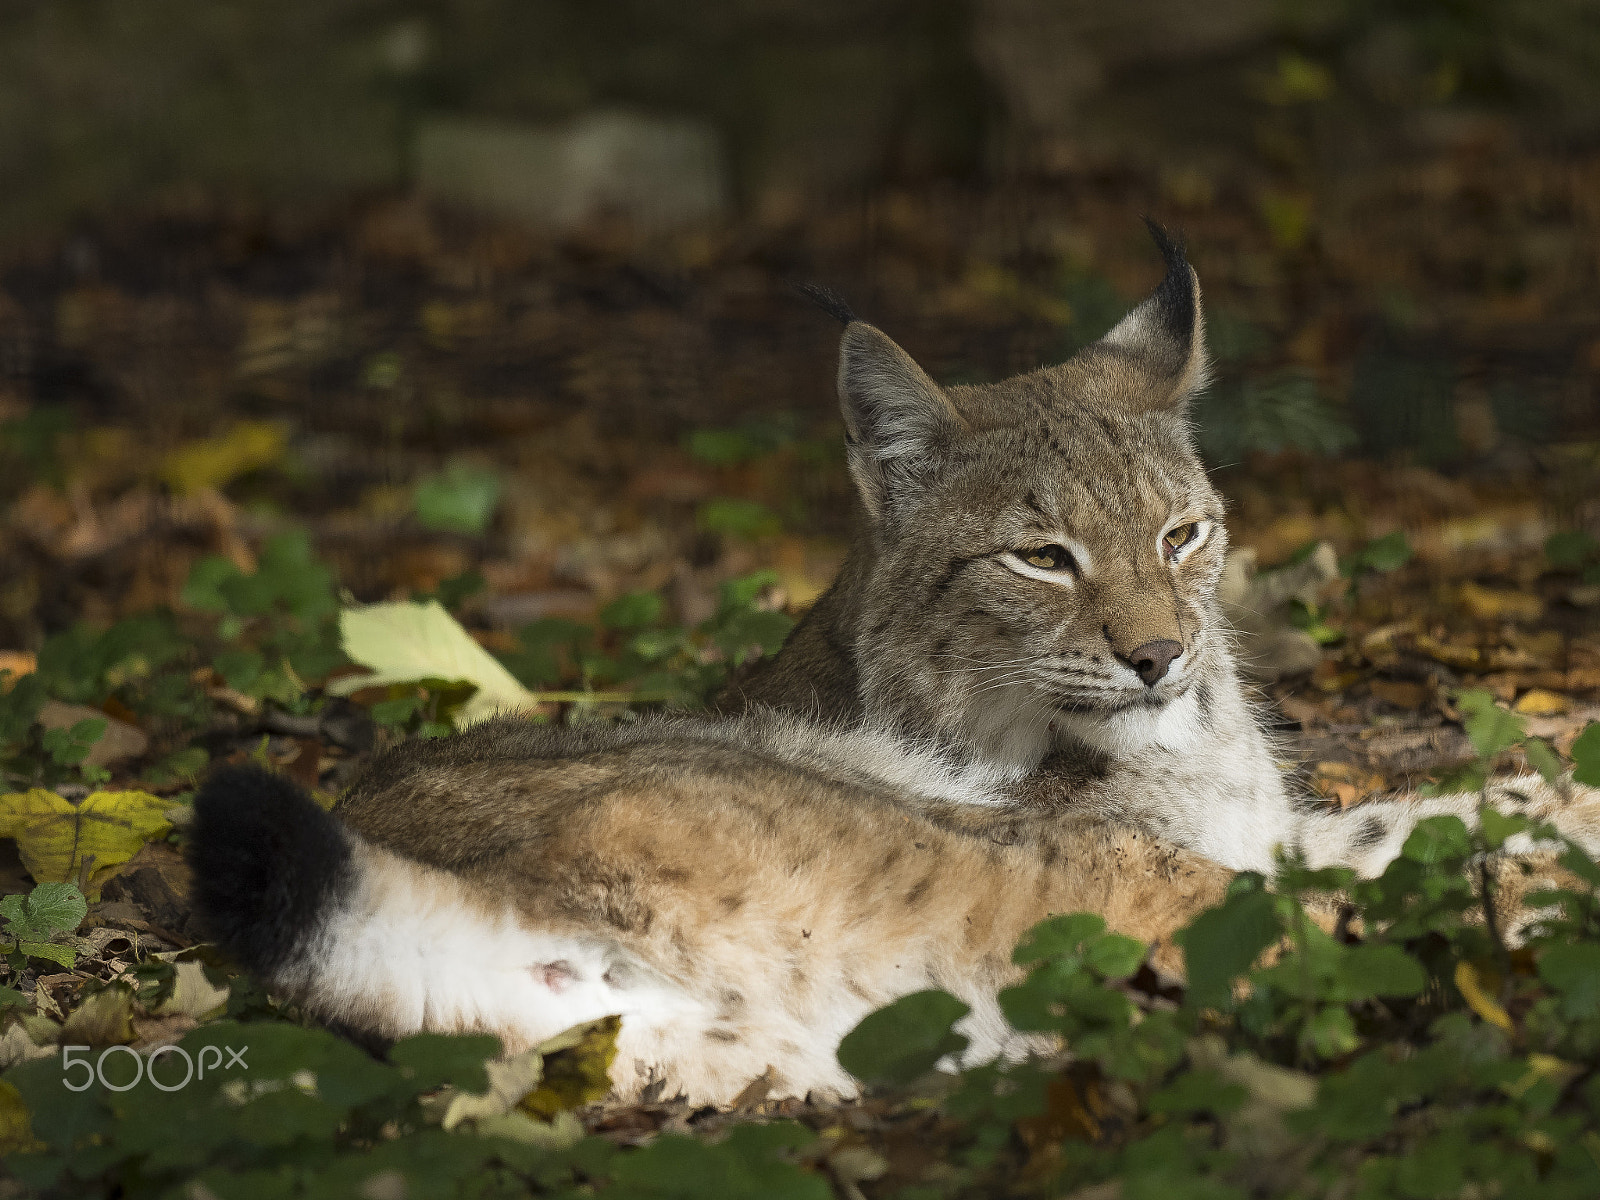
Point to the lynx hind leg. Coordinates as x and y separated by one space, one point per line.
437 956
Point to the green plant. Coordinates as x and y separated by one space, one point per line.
1574 550
460 499
35 923
278 622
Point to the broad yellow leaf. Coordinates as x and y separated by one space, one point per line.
407 643
1539 703
577 1068
1479 1000
1500 604
213 462
58 839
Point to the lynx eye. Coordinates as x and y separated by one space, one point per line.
1180 536
1047 558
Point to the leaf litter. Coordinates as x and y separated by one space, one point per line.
555 505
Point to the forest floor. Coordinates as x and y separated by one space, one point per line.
537 430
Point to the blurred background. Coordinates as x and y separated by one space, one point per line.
500 290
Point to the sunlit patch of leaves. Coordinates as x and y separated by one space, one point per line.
278 621
635 651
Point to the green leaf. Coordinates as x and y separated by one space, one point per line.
1115 956
1223 942
1387 553
239 668
742 518
458 588
1543 759
904 1040
431 1060
1571 549
54 951
1586 756
1490 728
58 907
1436 840
1330 1032
1058 937
723 447
633 611
459 499
397 711
11 998
70 746
1574 971
1375 969
204 589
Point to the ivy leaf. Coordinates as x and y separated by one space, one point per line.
1490 728
1574 971
61 955
1058 937
1436 840
1380 970
1222 943
1543 759
459 499
1387 553
1115 956
1586 755
903 1041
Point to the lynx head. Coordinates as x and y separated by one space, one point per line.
1040 556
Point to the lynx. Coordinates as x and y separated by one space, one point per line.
1019 699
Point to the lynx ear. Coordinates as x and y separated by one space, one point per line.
1164 338
895 417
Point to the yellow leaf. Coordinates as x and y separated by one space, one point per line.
104 1019
19 663
58 840
1539 703
213 462
1500 604
1479 1000
577 1068
407 643
16 1124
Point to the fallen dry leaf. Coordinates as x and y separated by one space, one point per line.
1540 703
1400 693
61 841
1499 604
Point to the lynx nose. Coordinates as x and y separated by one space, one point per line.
1153 659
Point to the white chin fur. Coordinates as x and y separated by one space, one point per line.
1173 726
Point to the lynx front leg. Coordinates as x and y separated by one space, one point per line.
1370 836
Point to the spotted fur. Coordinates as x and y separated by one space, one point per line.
742 893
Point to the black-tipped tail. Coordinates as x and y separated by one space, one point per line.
268 864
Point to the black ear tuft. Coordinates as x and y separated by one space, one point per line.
828 300
268 863
1174 296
